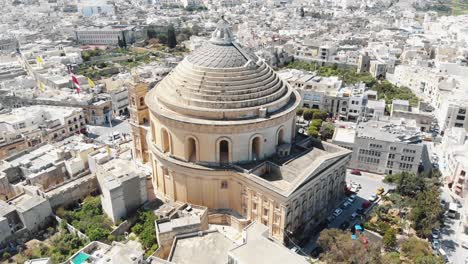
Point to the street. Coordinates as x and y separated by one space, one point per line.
370 183
452 235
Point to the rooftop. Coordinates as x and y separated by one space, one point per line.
392 130
259 249
210 248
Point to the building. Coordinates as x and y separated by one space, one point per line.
26 127
454 160
421 113
452 112
378 69
110 35
98 252
8 43
384 146
139 120
363 64
222 135
123 188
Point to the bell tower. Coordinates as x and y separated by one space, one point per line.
139 120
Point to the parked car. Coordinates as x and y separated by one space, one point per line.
365 204
337 212
372 198
345 205
356 172
464 245
354 215
435 244
380 191
351 200
435 234
360 211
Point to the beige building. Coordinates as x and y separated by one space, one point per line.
222 134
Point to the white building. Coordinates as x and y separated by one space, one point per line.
454 160
109 35
384 147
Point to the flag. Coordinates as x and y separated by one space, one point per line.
39 60
76 83
91 83
41 86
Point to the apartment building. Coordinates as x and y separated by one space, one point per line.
27 127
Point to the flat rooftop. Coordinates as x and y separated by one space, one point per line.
344 135
259 249
403 130
285 175
210 248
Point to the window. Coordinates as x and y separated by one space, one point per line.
224 184
462 111
256 148
165 140
223 151
142 101
191 150
393 148
459 117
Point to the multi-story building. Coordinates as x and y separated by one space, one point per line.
27 127
110 35
239 151
119 99
453 112
8 43
377 69
421 114
454 157
384 147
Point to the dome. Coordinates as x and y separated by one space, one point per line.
222 81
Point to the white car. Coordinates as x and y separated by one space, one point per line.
345 204
337 212
354 215
464 245
372 198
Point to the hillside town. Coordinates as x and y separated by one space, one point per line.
234 131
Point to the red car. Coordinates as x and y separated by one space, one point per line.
365 204
356 172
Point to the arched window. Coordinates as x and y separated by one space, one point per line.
256 148
224 151
165 141
191 150
280 137
142 101
153 133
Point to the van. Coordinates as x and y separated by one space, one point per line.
443 254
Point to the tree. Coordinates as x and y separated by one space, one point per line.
320 115
340 248
308 114
171 37
312 131
316 123
389 239
300 111
419 251
391 258
124 41
97 234
327 130
301 12
119 42
426 212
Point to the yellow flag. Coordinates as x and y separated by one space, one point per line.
41 86
91 83
39 59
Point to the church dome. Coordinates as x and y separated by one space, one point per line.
222 81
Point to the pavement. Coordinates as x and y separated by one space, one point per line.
101 133
370 183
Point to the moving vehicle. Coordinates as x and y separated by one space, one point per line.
452 210
356 172
337 212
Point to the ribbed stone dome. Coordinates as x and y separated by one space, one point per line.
221 81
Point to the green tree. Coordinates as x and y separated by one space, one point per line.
97 234
312 131
414 248
316 123
391 258
426 212
327 130
389 239
171 37
320 115
340 248
300 111
308 114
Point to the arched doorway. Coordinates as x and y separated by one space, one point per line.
165 141
224 151
191 150
256 148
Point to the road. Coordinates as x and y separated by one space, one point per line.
369 184
452 235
